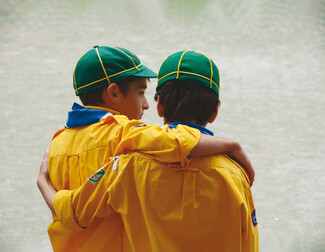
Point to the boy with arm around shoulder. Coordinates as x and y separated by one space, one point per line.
86 145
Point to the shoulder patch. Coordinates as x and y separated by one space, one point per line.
254 219
97 176
139 125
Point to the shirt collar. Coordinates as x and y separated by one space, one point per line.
81 116
202 129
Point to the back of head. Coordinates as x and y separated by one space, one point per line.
188 87
103 65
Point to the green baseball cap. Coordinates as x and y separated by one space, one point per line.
104 65
190 66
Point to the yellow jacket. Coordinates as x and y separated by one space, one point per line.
205 206
77 152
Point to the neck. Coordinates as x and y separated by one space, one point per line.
110 106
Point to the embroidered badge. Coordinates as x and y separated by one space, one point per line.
139 125
254 219
97 176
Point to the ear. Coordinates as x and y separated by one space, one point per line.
113 93
215 114
160 108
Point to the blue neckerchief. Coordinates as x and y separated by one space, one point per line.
81 116
202 129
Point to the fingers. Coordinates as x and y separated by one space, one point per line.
46 156
251 176
44 165
250 171
241 157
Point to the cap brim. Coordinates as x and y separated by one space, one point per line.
146 73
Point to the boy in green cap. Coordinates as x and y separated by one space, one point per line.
109 81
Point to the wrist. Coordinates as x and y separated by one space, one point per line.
228 145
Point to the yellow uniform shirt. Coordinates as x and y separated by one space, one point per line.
76 153
206 206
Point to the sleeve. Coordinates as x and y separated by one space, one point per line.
161 144
77 209
64 211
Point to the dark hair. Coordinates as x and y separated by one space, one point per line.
184 101
94 97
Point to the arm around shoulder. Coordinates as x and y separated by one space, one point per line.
209 145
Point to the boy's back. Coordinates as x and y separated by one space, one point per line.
206 206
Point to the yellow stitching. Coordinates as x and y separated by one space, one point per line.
102 65
210 68
128 56
201 76
218 78
75 82
94 82
167 75
126 70
89 84
161 65
179 63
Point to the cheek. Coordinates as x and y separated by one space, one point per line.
140 102
137 104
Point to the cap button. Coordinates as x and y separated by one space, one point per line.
96 46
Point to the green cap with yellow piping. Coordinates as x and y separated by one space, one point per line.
104 65
190 66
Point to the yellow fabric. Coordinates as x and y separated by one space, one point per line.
76 153
206 206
